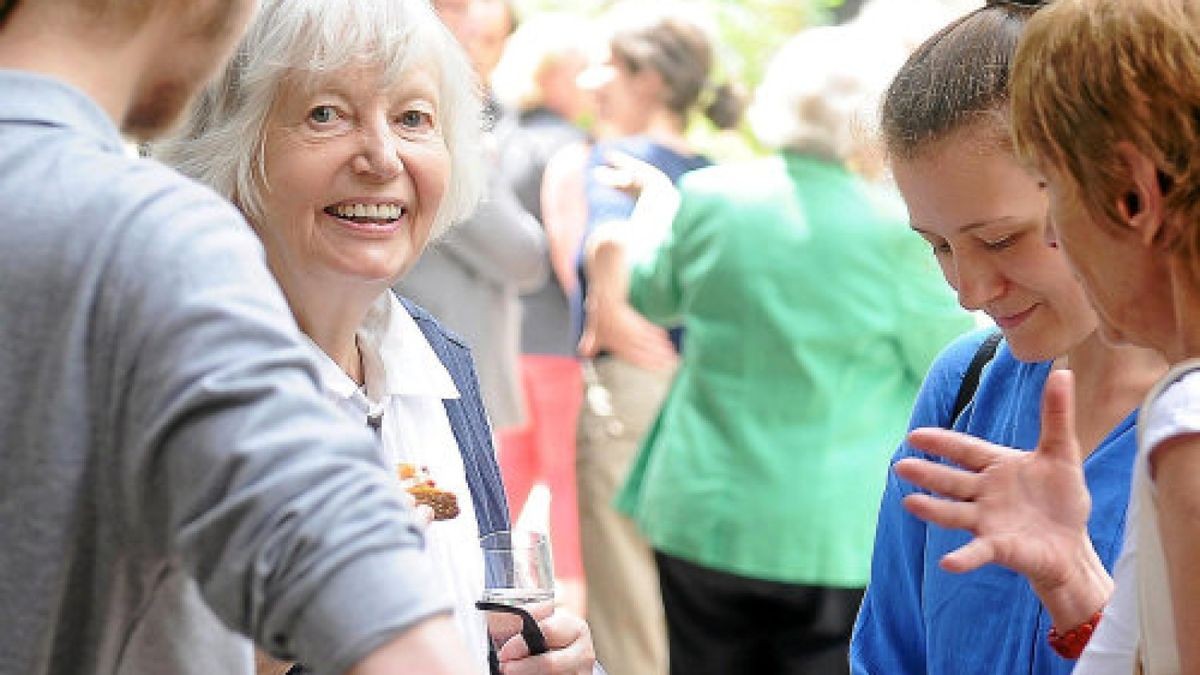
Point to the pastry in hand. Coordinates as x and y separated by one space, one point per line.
418 483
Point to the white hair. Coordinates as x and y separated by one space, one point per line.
301 42
540 42
820 89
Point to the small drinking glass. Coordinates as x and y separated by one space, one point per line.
518 572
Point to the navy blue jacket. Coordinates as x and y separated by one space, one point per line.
469 423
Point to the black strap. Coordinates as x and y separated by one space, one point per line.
970 381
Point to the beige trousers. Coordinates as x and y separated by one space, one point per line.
624 607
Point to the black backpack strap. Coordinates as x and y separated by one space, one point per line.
970 381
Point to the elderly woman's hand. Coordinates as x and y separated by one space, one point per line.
567 636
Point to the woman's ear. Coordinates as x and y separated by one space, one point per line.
1142 205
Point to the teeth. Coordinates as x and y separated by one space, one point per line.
375 211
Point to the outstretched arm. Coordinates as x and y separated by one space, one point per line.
1027 510
432 646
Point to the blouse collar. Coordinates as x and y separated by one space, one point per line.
410 368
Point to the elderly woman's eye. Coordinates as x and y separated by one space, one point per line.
322 114
415 119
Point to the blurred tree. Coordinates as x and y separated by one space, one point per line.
749 31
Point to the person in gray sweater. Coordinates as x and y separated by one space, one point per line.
173 476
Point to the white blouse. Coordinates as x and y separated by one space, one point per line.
1139 617
406 383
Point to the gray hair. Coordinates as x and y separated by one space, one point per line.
302 42
820 90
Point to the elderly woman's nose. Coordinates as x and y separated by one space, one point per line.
379 155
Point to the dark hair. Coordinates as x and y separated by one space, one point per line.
682 54
727 106
958 76
6 8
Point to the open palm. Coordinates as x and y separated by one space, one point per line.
1027 510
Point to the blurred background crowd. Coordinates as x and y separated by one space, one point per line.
658 392
726 307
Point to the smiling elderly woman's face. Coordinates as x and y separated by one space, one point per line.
355 174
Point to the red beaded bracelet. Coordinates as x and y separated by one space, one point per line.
1070 644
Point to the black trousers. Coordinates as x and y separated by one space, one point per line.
725 624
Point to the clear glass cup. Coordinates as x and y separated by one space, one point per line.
518 573
518 568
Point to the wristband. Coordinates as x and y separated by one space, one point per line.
1070 644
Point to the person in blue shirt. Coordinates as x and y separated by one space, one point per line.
945 122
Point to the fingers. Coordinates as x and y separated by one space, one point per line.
425 514
641 342
570 644
617 178
969 557
587 343
954 515
502 626
944 512
939 478
1058 418
624 160
966 451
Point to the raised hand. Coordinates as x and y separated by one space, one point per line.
1027 510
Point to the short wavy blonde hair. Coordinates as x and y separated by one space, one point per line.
300 42
1093 73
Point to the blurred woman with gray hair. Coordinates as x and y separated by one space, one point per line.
812 314
348 133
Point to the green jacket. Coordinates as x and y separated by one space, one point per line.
812 313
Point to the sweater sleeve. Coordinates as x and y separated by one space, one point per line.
501 242
232 462
656 281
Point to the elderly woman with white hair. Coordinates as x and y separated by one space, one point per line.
348 133
812 314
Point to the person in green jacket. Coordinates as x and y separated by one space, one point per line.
812 313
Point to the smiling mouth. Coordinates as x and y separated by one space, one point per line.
1013 320
368 213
